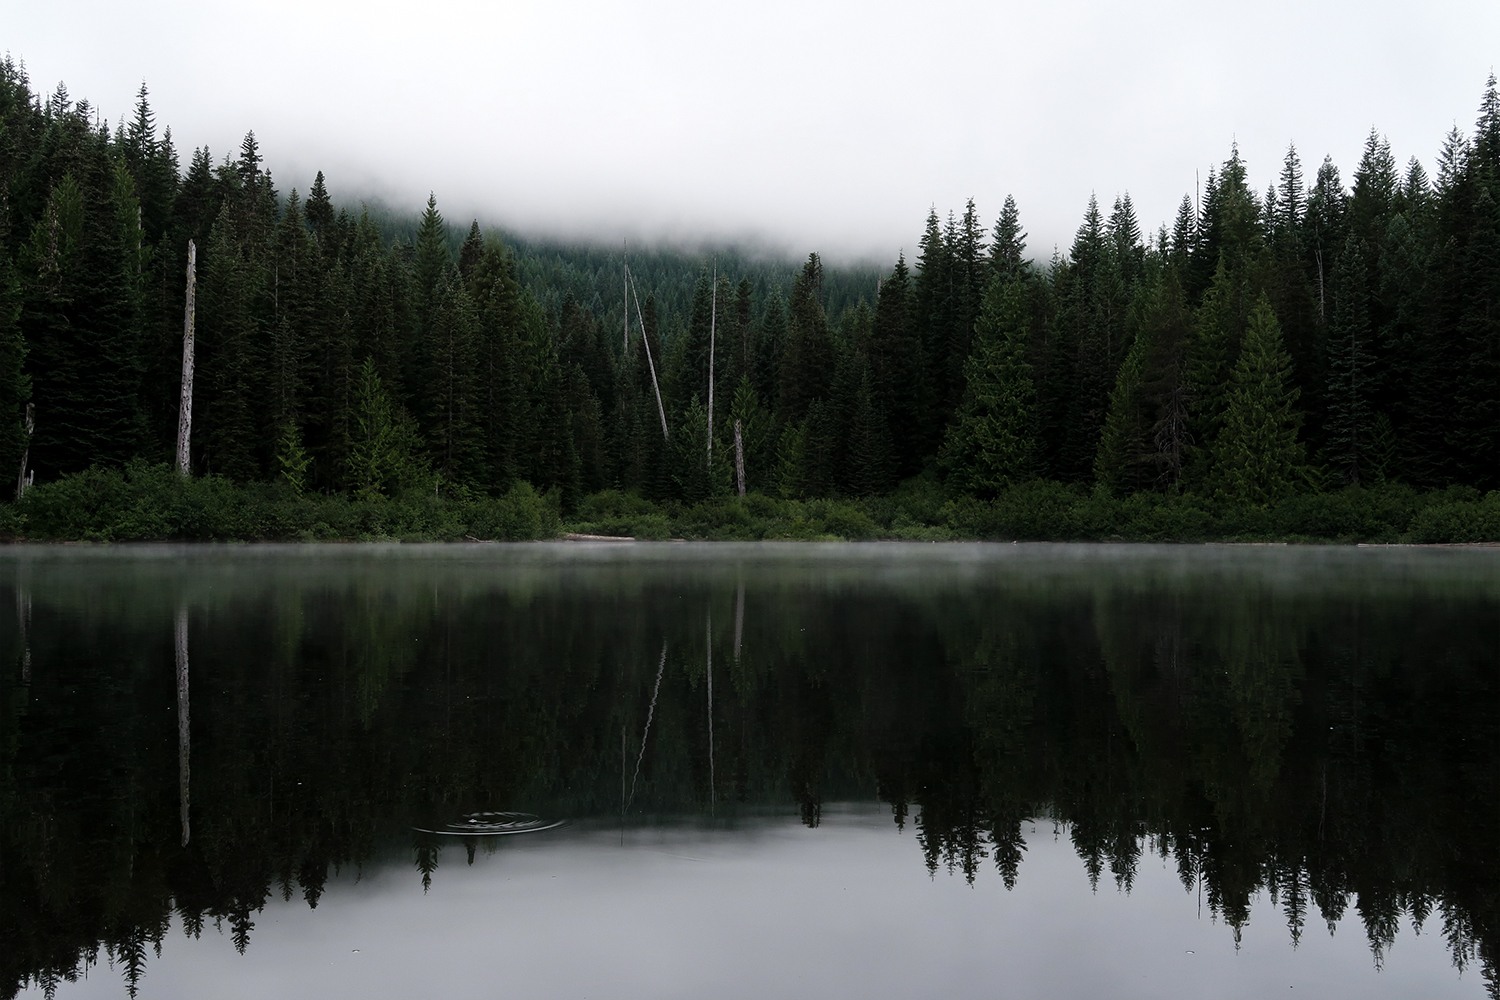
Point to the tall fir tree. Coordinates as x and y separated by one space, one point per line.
992 443
1349 432
1008 244
1258 456
896 372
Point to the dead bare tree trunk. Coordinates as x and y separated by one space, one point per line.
646 339
185 407
24 479
713 316
739 456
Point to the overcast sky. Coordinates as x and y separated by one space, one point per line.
805 125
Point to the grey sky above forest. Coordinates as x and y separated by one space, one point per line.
800 125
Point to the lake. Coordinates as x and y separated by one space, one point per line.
666 770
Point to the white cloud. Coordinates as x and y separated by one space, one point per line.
817 126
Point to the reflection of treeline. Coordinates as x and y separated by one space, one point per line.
1337 755
1336 751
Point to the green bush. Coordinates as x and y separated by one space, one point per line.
10 521
842 519
1378 514
1458 521
520 515
1039 510
609 505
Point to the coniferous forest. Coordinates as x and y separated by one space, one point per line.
1319 360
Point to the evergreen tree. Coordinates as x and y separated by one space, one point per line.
385 452
1288 284
231 365
15 387
932 305
1349 430
1008 247
1167 327
1090 325
868 471
992 443
770 341
1217 335
805 370
471 251
1486 158
81 315
896 372
1476 395
1184 240
757 435
319 212
1258 455
455 437
1121 445
1324 229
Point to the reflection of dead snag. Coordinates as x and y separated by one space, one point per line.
23 619
184 725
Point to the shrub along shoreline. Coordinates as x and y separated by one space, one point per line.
142 502
150 502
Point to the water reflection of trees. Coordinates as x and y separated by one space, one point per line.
1332 750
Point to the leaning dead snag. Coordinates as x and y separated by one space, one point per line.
660 409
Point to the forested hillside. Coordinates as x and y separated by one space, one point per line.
1263 347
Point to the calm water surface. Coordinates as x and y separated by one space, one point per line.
573 770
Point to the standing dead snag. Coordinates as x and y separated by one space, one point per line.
185 407
29 427
739 456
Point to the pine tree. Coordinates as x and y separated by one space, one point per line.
292 459
1090 329
1008 247
81 313
471 251
1184 240
992 443
869 464
932 309
805 368
1258 456
1476 396
770 341
384 452
1348 431
15 386
757 435
1325 228
1121 444
1486 158
455 437
319 212
230 366
896 372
